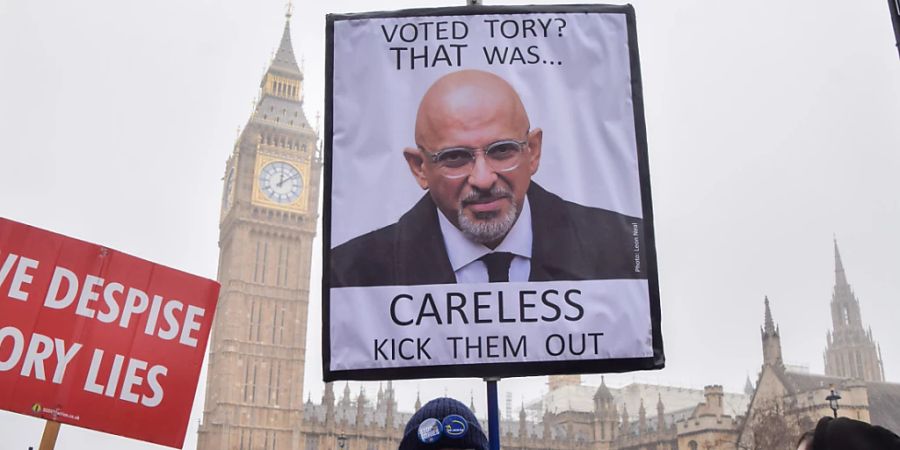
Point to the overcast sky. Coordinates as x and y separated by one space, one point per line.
773 126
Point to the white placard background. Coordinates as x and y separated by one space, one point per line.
584 106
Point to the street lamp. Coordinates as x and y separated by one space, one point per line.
833 401
342 441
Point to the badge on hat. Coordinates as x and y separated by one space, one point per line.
430 430
455 426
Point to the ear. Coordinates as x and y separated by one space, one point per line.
416 163
535 137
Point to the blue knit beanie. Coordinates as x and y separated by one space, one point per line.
439 409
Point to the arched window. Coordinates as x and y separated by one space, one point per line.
693 445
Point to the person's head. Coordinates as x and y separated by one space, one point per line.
475 152
443 423
848 434
805 441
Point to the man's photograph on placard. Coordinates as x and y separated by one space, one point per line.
475 153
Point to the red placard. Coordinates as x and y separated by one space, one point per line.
97 338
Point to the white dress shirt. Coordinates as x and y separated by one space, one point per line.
464 253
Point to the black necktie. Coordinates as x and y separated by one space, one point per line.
497 265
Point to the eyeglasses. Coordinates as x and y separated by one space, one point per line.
458 162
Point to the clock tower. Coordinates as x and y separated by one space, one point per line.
269 209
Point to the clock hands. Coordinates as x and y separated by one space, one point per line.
283 179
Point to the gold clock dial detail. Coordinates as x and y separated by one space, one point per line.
281 182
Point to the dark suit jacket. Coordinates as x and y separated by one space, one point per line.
570 242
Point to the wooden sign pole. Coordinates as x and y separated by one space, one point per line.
48 440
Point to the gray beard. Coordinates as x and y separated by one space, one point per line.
487 227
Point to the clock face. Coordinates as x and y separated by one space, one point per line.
281 182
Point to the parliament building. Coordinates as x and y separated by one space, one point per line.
254 396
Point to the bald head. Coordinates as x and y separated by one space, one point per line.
469 111
466 101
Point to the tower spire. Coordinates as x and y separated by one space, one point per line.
840 277
769 323
282 79
660 414
284 60
850 350
771 340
